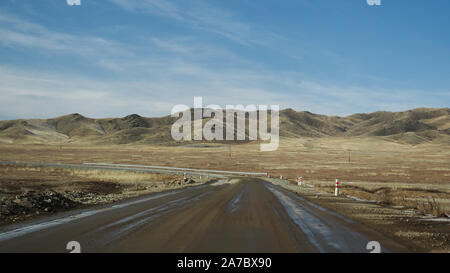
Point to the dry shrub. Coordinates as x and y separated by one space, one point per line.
430 206
433 207
385 197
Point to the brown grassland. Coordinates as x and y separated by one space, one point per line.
368 167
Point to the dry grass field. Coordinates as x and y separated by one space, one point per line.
368 167
18 179
28 191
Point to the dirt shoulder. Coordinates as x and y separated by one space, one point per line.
30 192
417 231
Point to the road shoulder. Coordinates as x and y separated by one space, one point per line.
404 227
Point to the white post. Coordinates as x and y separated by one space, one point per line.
185 177
300 180
281 177
336 189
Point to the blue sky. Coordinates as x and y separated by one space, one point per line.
110 58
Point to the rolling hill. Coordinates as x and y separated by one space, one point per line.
413 127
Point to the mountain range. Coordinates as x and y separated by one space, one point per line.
415 126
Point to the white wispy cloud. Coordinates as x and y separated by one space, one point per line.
202 15
16 32
110 54
29 93
151 77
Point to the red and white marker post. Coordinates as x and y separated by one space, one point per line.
300 181
336 189
185 177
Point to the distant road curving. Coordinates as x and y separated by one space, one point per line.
175 168
105 167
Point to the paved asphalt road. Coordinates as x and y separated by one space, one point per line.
248 216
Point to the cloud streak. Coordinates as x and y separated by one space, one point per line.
16 32
201 15
28 94
154 73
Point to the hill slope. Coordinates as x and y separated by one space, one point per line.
413 127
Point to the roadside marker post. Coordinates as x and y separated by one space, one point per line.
281 177
185 177
336 189
300 181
